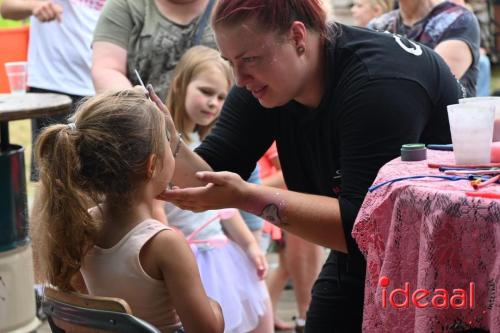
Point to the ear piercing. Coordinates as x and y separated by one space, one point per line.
301 50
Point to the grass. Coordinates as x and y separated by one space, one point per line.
20 134
4 23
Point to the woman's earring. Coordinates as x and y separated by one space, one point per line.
301 50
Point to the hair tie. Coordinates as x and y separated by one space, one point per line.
72 126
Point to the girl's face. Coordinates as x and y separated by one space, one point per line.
205 95
363 11
268 66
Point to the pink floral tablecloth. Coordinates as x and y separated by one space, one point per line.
429 234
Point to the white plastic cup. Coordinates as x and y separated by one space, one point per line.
485 100
16 73
471 129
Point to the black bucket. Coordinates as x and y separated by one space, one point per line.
13 199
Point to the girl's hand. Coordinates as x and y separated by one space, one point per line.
258 258
169 122
224 190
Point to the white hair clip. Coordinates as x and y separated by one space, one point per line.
72 126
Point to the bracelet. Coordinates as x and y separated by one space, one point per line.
178 145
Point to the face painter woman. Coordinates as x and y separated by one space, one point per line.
340 102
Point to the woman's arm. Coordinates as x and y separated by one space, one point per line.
313 217
457 56
109 67
238 231
45 11
459 44
172 255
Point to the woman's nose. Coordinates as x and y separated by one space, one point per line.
240 77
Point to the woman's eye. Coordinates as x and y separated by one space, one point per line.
248 59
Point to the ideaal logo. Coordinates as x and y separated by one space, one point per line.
439 298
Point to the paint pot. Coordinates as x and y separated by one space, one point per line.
413 152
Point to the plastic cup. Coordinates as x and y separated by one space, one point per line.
16 73
486 100
471 129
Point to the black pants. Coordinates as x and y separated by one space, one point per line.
37 124
337 295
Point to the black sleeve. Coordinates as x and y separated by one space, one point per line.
242 134
391 112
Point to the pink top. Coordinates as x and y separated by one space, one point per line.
429 234
266 165
117 272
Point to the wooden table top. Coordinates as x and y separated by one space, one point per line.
32 105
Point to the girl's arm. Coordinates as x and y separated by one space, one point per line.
238 231
168 256
274 180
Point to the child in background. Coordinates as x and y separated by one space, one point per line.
115 156
232 272
363 11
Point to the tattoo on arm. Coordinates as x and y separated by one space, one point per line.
271 214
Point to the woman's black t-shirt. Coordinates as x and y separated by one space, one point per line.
382 91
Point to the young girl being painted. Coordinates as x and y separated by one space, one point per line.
99 176
231 272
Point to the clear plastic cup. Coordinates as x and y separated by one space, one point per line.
485 100
471 128
16 73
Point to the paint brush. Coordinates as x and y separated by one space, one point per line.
141 82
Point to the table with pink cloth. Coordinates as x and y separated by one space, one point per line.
428 233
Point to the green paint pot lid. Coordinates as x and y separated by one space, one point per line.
413 146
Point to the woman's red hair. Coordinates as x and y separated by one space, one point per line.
272 15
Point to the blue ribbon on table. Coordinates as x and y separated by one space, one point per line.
451 178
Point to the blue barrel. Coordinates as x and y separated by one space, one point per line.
13 199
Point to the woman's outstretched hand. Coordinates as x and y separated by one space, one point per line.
223 190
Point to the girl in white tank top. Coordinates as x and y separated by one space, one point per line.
114 153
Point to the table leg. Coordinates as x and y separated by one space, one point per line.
4 136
